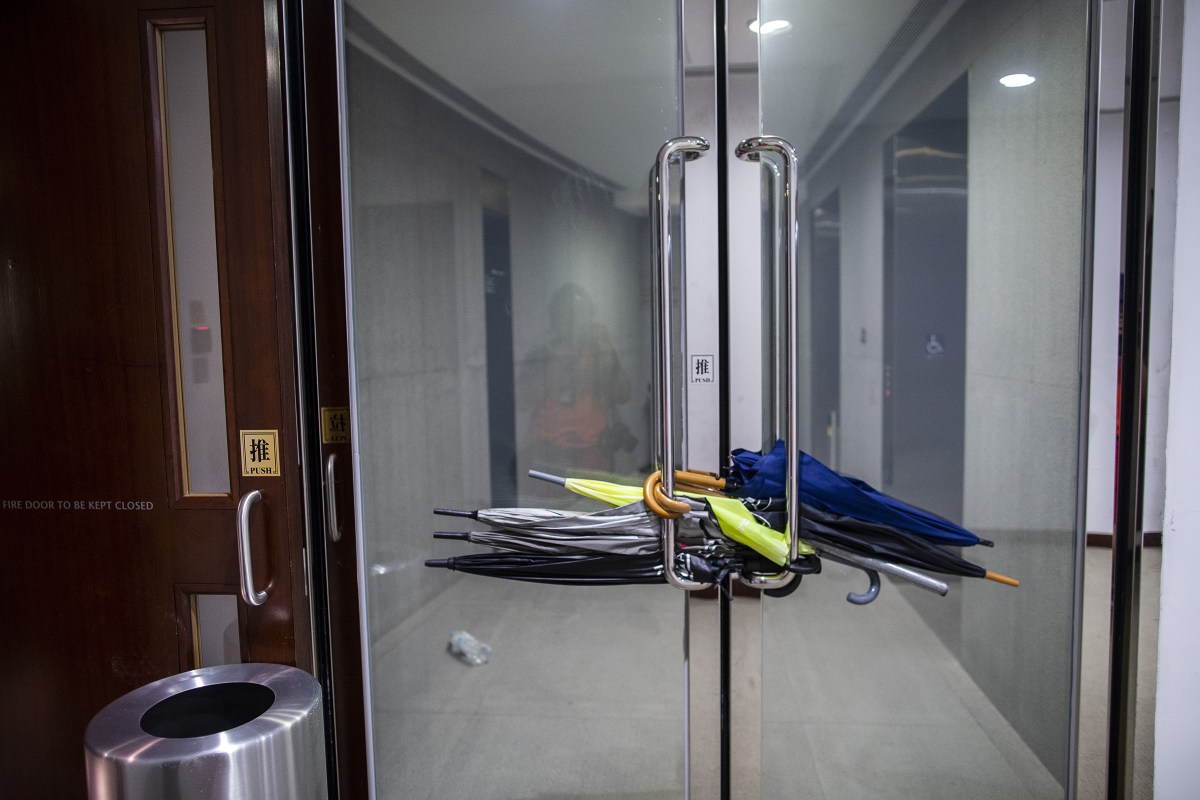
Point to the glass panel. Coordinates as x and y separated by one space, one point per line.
500 267
943 337
215 635
192 242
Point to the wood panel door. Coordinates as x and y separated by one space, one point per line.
114 512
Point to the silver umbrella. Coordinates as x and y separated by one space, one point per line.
553 542
630 529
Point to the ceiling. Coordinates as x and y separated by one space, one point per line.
597 82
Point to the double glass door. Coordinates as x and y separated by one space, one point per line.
500 286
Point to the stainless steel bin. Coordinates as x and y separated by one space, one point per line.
233 732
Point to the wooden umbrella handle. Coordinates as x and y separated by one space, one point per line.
657 500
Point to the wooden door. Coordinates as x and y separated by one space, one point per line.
111 533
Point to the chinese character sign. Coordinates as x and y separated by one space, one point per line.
260 453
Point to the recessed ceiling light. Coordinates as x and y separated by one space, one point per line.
1017 79
769 27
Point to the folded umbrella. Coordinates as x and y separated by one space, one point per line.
762 475
703 563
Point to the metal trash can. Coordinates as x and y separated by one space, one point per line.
233 732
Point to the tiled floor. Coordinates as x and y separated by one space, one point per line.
582 699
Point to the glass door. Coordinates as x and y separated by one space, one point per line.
943 188
500 316
500 286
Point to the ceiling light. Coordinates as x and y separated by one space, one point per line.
769 27
1017 79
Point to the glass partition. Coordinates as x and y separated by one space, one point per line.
500 287
958 200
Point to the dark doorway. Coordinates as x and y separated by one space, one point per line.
825 227
925 278
497 288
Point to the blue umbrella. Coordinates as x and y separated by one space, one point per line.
761 476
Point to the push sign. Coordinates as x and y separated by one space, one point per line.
260 453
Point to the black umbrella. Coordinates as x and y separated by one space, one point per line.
707 563
878 541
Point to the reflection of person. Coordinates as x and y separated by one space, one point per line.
575 384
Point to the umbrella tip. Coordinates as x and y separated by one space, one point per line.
439 562
986 543
546 476
449 535
454 512
998 578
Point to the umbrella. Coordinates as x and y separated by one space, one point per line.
634 519
703 563
762 476
757 532
739 524
733 519
542 542
614 494
888 543
631 529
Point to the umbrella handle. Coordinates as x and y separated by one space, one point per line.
870 594
658 502
788 173
701 481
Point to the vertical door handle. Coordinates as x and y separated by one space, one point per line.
249 593
787 330
331 515
683 148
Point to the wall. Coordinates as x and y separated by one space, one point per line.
1177 725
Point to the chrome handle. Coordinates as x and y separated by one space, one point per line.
752 150
249 594
331 515
687 148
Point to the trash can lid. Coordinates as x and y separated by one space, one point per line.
218 708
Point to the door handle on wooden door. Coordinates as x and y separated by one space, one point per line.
331 515
249 593
787 330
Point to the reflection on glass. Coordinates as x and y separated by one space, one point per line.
825 234
215 634
501 319
960 204
577 386
192 241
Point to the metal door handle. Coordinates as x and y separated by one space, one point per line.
752 150
683 148
331 515
249 593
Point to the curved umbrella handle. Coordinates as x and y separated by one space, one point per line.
786 329
870 594
683 148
